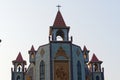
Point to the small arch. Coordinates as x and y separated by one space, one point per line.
95 66
97 78
61 53
85 56
59 38
32 55
19 68
42 70
18 77
79 72
60 35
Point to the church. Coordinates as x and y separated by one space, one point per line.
59 59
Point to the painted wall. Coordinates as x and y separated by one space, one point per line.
43 53
73 52
77 56
31 71
55 47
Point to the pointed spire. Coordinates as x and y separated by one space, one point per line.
19 59
32 50
59 21
84 49
95 59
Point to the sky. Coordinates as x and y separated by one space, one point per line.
94 23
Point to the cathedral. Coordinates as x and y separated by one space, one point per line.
59 59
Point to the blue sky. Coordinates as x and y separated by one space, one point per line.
94 23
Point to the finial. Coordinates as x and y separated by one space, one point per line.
58 7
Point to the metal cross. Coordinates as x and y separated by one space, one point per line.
58 7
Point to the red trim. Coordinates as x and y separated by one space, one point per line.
95 59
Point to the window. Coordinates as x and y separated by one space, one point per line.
85 55
32 55
97 78
60 35
42 70
79 71
18 77
59 38
95 66
19 68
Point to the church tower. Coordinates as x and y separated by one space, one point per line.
95 68
18 73
59 31
59 59
32 54
66 59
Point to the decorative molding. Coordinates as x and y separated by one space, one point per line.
60 52
78 52
42 52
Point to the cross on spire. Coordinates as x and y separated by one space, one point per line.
58 7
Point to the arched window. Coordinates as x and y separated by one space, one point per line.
42 70
60 35
97 78
59 38
19 68
79 73
18 77
32 55
95 66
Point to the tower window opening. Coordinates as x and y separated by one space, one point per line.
95 67
97 78
19 68
18 77
59 38
60 35
85 56
32 55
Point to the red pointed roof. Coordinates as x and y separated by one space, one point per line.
32 48
84 49
95 59
19 59
59 21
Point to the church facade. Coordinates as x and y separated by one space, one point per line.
60 59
